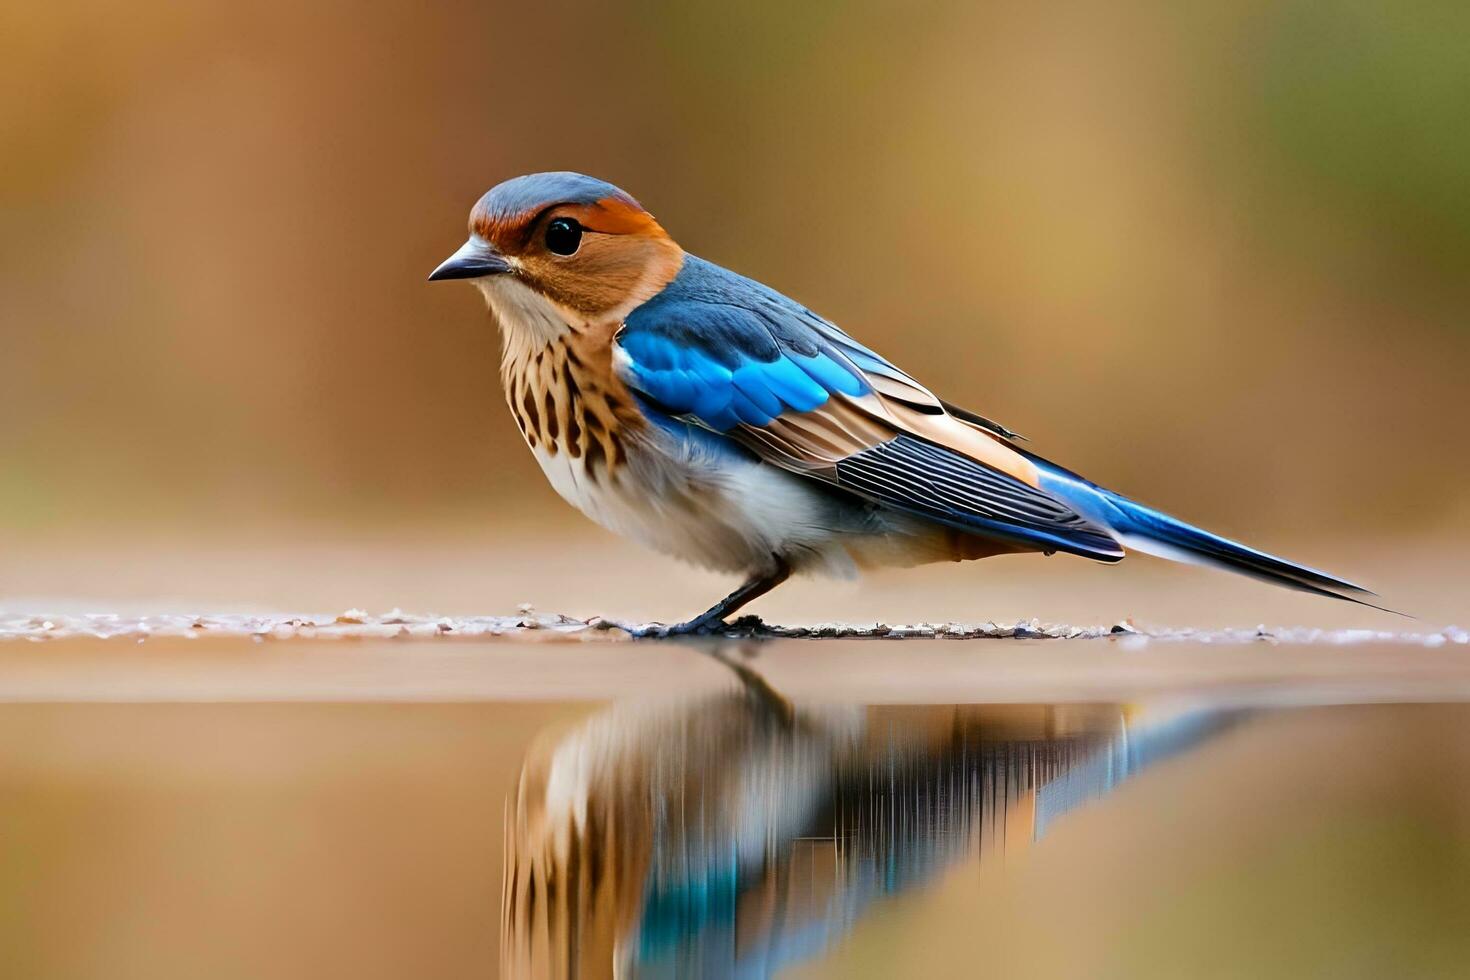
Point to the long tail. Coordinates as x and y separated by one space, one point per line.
1156 533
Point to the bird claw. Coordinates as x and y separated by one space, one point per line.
698 626
747 626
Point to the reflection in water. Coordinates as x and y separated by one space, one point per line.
734 834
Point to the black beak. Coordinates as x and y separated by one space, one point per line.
474 259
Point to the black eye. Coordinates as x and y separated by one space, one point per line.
563 236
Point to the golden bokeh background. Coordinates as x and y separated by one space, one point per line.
1210 254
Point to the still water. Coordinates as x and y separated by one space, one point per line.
727 828
736 835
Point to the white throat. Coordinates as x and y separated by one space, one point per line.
524 313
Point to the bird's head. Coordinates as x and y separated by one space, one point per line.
566 245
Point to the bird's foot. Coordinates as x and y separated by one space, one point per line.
711 622
701 626
698 626
748 625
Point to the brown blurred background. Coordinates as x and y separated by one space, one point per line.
1212 255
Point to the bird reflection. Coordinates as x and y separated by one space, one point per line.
734 834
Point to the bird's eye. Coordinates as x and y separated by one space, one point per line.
563 236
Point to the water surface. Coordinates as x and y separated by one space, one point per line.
813 810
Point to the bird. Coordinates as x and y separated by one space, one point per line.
721 422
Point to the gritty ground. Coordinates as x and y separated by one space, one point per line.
530 624
241 619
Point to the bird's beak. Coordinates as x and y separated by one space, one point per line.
474 259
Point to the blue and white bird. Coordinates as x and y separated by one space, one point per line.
720 422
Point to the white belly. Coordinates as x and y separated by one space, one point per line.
711 506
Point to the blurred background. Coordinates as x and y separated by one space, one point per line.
1210 254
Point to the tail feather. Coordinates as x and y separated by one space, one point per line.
1153 532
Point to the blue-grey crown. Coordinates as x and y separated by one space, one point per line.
533 192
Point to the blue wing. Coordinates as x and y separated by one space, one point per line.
728 357
731 355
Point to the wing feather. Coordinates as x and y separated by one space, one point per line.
728 354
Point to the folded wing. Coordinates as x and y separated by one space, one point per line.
726 353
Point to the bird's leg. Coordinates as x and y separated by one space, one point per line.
713 619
